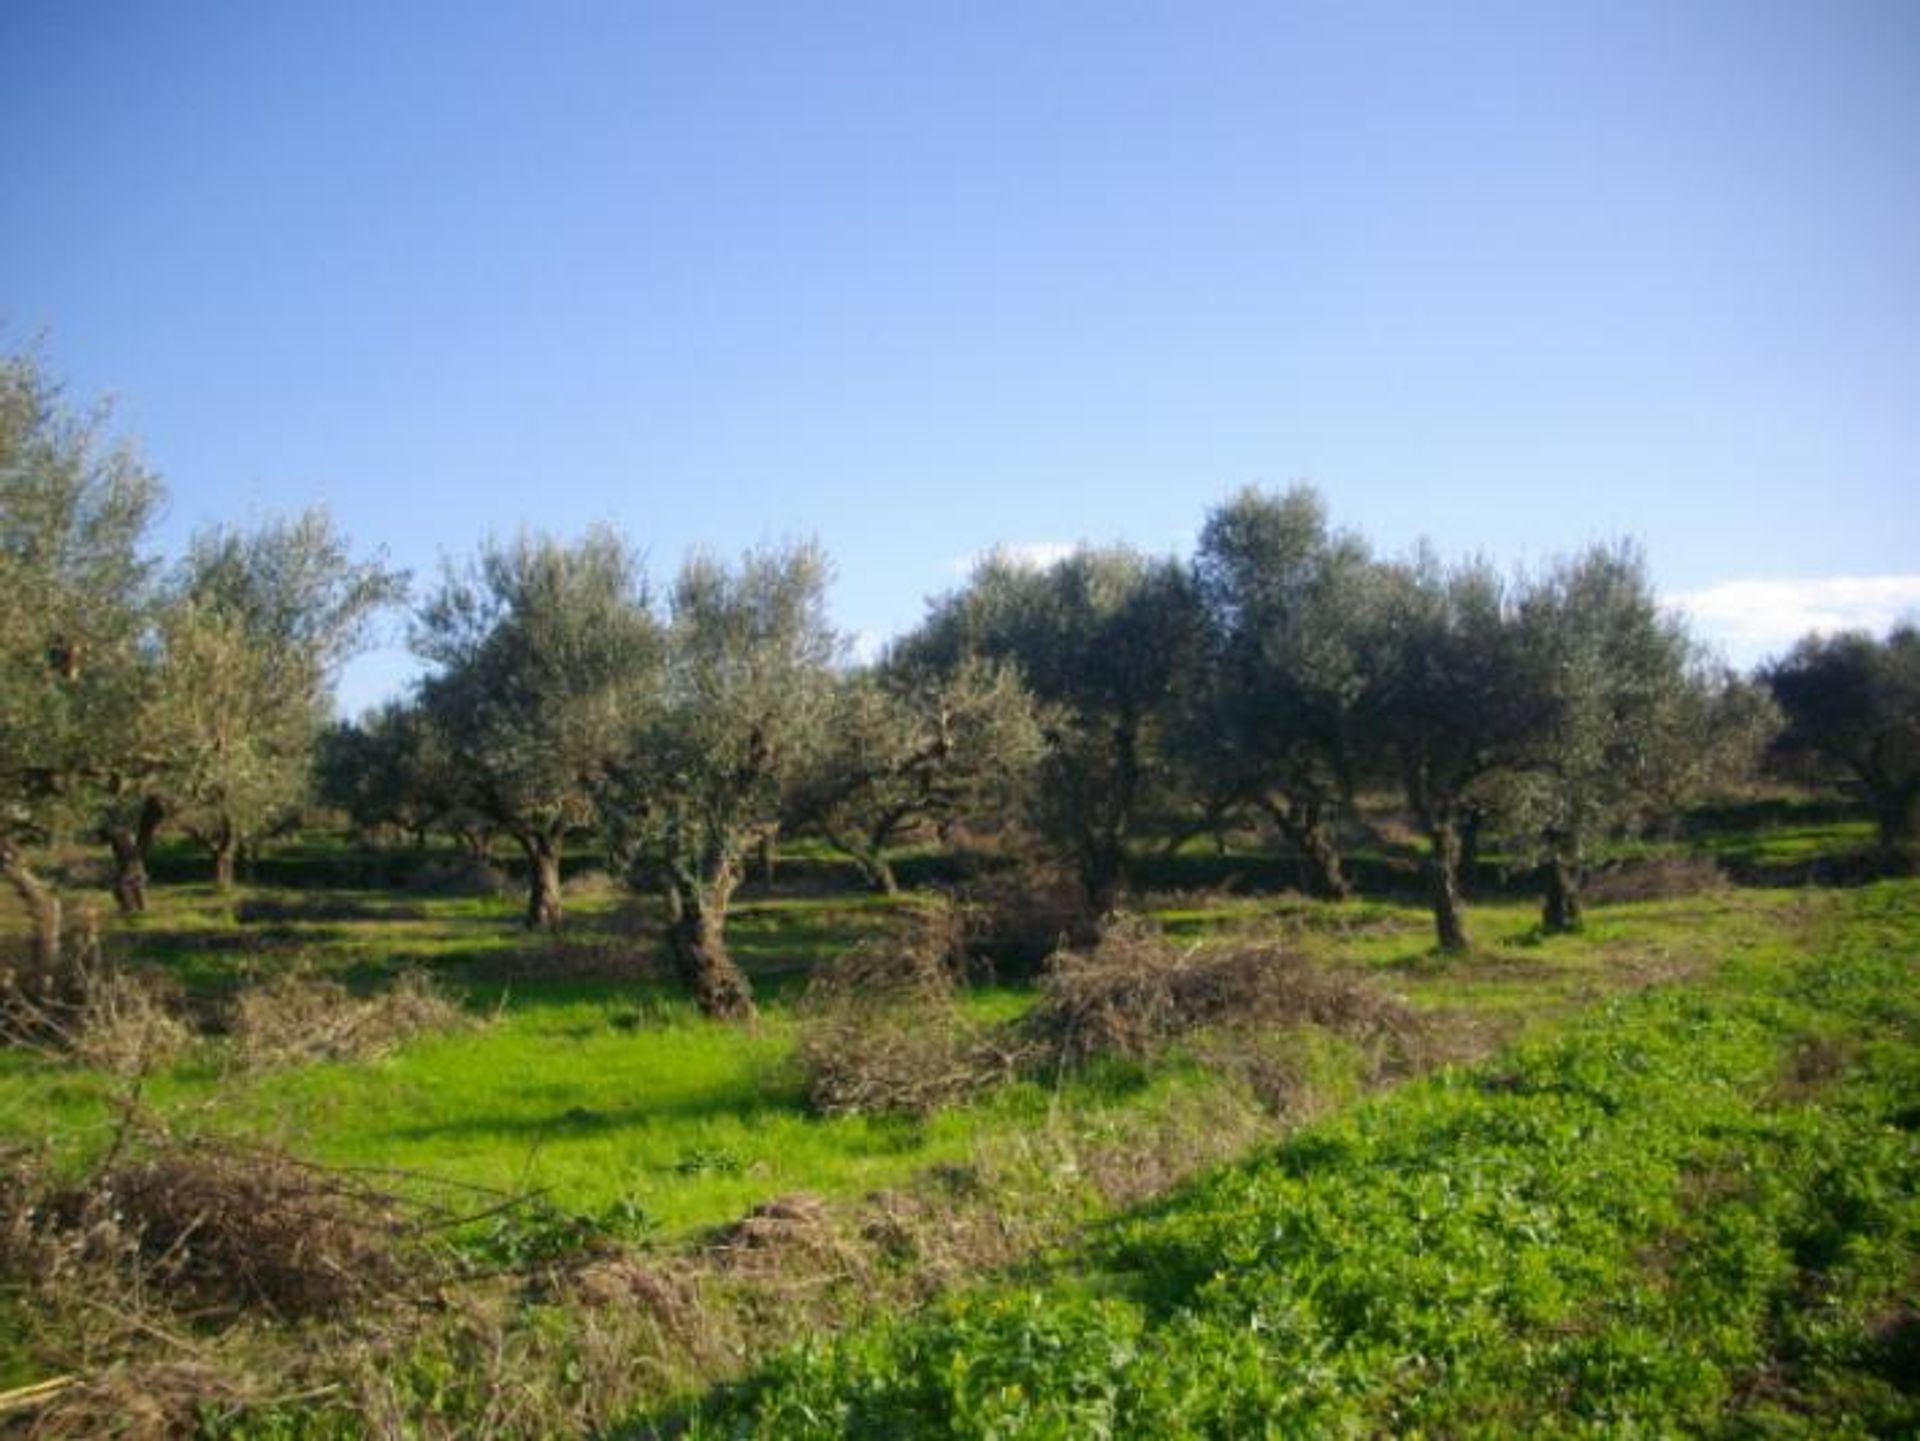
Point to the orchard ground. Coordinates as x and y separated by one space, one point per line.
622 1126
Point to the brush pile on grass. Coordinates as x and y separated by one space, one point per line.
297 1018
1135 991
882 1029
238 1230
102 1014
1660 879
1014 919
168 1227
164 1236
466 877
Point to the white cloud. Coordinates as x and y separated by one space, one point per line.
1754 619
1025 555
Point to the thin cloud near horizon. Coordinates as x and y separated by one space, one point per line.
1752 619
1026 554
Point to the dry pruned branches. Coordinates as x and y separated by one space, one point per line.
882 1029
299 1018
1661 878
121 1020
229 1230
1135 991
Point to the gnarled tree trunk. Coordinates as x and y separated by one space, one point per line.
1102 868
870 856
1305 827
879 873
543 880
696 930
1898 816
41 902
1472 826
1443 865
1561 912
131 845
224 845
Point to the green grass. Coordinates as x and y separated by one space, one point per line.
614 1097
1515 1248
606 1098
1697 1210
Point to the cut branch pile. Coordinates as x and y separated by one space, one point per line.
882 1029
1135 991
296 1018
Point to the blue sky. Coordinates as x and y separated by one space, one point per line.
920 278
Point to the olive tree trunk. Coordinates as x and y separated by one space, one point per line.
42 905
1306 829
543 880
1102 869
131 845
225 848
1561 912
697 933
1443 866
1898 817
869 856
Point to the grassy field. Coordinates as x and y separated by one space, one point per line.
1694 1211
1659 1175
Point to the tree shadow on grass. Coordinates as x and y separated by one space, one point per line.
574 1123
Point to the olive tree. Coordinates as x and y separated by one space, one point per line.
254 633
541 653
74 583
709 763
1276 716
1855 701
1635 721
905 749
393 768
1102 639
1458 703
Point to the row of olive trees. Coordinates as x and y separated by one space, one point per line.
1286 670
1106 703
135 694
561 697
